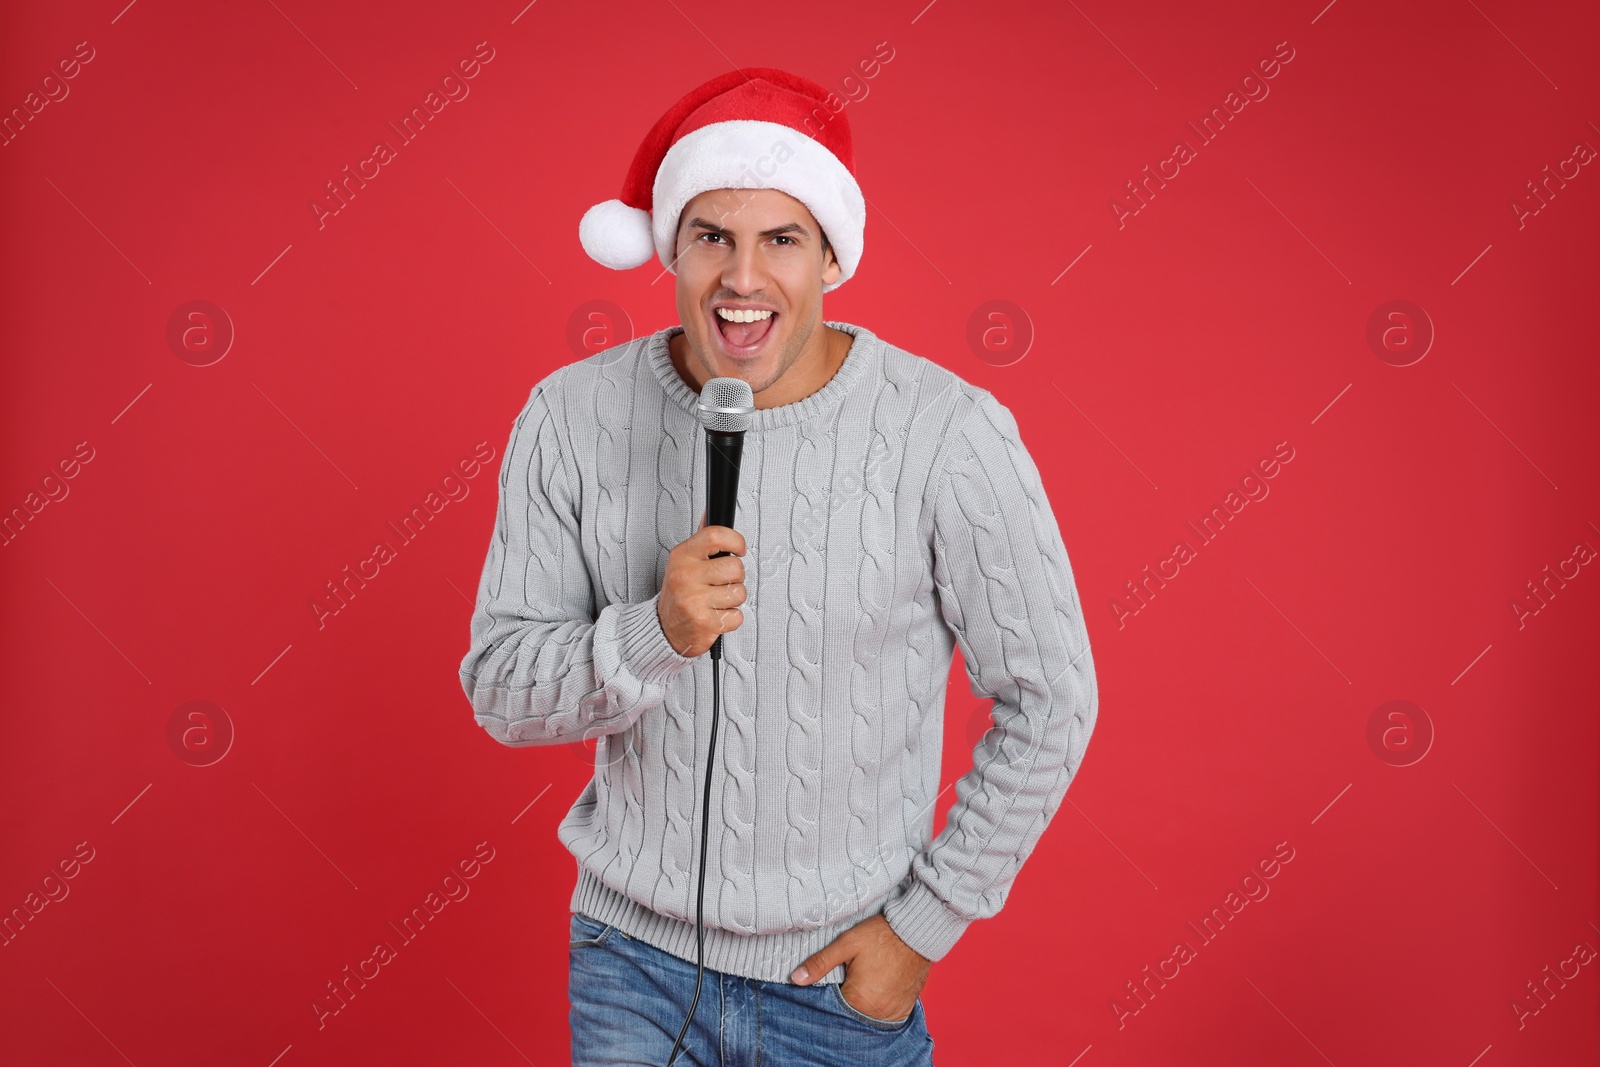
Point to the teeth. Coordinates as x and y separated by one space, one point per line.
742 316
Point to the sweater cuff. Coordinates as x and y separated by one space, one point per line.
924 921
646 653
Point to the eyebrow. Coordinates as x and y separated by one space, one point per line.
788 227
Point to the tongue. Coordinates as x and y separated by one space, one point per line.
745 334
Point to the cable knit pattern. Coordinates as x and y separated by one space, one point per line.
889 516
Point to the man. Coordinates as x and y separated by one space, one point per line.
887 509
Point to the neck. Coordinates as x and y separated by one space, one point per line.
816 366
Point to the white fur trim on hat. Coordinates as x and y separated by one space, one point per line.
752 154
616 235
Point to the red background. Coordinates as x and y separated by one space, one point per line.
374 352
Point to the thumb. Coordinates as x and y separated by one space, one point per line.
702 518
819 963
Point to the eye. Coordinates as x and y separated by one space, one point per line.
783 237
718 236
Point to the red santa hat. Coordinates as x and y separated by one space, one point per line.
755 128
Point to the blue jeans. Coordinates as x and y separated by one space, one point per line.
629 1000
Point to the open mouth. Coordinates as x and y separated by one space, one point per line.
744 339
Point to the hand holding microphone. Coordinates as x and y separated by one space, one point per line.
704 581
702 589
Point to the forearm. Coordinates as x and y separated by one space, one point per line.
548 683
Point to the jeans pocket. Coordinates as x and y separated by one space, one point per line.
886 1025
587 932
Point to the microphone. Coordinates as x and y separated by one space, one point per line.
727 408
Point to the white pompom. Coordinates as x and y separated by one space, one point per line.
616 235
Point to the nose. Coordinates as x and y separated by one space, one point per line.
745 271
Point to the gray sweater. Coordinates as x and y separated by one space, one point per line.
887 516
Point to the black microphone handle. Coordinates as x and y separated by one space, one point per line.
723 451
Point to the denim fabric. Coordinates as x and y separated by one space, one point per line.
628 1001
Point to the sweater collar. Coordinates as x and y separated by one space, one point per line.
863 354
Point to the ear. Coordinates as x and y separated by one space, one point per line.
830 267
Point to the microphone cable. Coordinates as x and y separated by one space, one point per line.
705 827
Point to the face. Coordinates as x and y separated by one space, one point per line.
757 249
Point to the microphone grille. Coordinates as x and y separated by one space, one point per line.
727 405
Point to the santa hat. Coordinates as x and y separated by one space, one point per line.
755 128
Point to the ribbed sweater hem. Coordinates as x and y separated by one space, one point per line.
764 957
